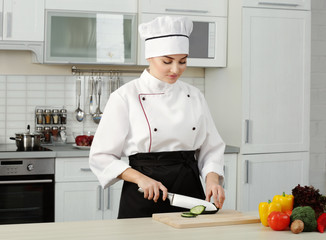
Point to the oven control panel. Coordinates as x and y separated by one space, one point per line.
26 166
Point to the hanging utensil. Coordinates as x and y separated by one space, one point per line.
98 114
79 112
90 92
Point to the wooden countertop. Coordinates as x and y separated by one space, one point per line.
142 229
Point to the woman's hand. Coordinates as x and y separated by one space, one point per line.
150 186
214 189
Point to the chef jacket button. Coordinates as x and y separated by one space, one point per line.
188 95
155 129
193 128
144 98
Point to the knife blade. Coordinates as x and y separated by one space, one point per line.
183 201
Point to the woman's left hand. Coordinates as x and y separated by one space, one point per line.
214 189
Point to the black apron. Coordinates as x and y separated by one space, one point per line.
177 171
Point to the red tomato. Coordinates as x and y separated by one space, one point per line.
278 221
288 212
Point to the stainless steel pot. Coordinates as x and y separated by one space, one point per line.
27 141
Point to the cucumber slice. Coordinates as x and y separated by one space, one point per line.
198 209
188 215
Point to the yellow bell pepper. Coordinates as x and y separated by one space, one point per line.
285 200
265 208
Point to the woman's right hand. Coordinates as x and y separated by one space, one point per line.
151 187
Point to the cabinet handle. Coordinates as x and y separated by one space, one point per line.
224 170
185 10
246 171
85 169
278 4
100 202
1 28
9 24
247 123
108 205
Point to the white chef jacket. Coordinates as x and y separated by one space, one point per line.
150 115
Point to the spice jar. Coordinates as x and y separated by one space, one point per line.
47 134
55 116
47 116
39 116
63 134
55 132
63 116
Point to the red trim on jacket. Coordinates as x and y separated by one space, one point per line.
149 126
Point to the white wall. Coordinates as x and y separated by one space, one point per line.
223 85
318 97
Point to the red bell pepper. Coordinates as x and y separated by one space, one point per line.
321 222
278 221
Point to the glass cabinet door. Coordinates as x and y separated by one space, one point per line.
90 38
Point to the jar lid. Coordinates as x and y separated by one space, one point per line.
55 110
47 111
46 128
38 129
62 128
39 110
54 128
63 110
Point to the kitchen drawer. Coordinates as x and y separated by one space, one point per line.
204 8
73 170
286 4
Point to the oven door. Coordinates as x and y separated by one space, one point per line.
26 199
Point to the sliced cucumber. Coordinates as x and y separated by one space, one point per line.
188 215
198 209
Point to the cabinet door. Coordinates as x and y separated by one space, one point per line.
264 175
1 19
276 79
230 183
290 4
78 201
23 20
112 201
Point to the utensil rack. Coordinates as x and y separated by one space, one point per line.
76 70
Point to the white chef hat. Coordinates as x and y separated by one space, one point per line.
166 35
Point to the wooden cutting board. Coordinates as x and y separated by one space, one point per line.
223 217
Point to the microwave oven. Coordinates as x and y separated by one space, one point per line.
207 42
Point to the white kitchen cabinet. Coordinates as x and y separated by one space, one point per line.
125 6
230 183
283 4
261 176
275 80
78 194
23 20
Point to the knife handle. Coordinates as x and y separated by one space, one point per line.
170 195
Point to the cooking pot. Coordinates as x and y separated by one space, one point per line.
27 141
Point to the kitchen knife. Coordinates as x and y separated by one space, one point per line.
182 201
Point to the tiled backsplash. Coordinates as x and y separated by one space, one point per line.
19 95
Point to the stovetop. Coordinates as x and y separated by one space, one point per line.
14 148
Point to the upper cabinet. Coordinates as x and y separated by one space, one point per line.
276 80
22 26
208 40
22 20
104 33
282 4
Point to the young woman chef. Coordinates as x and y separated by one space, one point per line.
165 128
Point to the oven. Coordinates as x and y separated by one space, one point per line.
26 190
